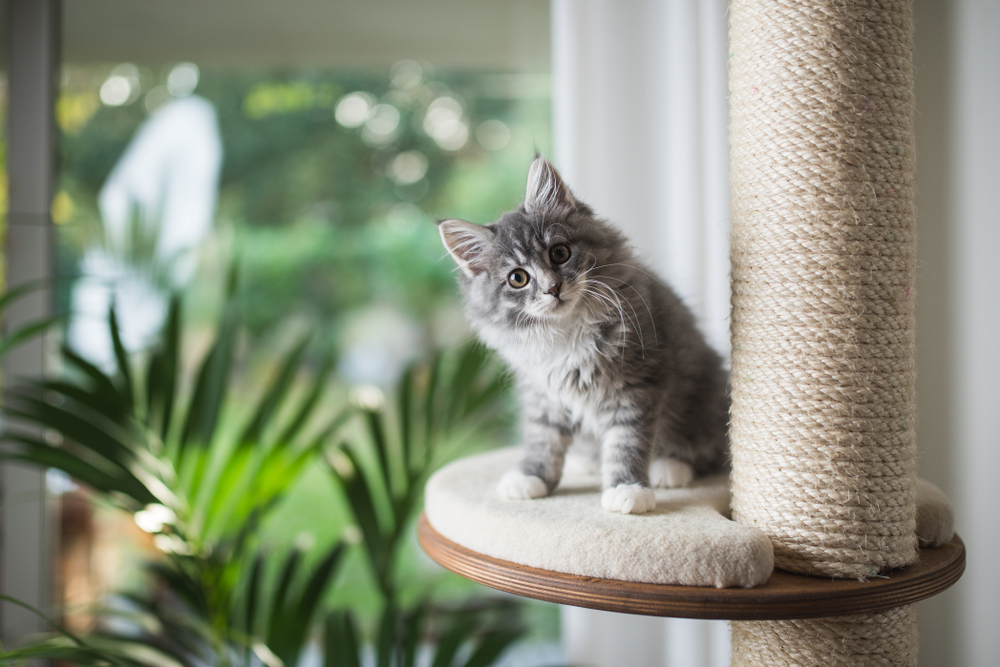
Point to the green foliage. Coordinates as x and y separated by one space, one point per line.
383 474
350 234
26 331
171 458
143 444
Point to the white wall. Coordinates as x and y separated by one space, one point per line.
958 309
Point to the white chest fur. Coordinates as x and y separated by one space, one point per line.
564 369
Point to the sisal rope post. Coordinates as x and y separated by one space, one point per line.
823 256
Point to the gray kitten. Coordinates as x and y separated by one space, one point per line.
606 356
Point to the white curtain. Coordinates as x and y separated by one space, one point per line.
639 97
640 128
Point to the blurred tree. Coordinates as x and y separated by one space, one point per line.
330 178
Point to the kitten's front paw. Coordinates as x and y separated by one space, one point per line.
628 499
670 473
515 485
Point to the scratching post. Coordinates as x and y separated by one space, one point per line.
823 254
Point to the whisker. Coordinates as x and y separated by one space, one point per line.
635 316
623 332
649 312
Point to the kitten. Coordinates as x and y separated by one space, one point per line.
603 352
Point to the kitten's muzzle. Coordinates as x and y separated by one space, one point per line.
554 289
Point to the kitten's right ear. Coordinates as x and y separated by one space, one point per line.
467 243
546 192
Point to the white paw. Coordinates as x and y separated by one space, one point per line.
670 473
515 485
628 499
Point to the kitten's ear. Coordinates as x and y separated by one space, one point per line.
467 243
546 191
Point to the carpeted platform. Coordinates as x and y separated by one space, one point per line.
685 540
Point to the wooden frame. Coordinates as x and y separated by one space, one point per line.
784 596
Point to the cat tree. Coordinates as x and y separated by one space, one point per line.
822 423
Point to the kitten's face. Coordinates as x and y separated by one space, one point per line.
539 266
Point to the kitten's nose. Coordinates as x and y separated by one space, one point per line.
554 289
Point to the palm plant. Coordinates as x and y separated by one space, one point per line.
200 490
203 488
382 473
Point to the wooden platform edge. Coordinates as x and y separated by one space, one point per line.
784 596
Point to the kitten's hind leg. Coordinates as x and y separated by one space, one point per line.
670 473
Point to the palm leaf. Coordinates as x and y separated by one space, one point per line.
27 332
491 646
340 641
272 399
469 364
294 608
121 357
102 386
385 642
412 626
110 479
448 646
161 378
76 423
250 613
13 295
309 404
229 484
404 400
205 405
363 507
376 431
430 412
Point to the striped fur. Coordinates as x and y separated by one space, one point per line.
613 357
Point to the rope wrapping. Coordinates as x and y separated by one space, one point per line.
882 639
823 256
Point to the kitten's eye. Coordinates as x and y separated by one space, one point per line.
559 254
518 278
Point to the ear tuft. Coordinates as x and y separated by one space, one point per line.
546 190
466 242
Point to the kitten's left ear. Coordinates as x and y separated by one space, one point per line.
466 242
546 190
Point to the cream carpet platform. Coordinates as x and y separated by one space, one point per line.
686 540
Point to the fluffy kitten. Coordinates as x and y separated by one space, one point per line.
605 354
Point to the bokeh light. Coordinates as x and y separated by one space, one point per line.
493 135
444 123
408 167
183 79
354 108
121 87
382 126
